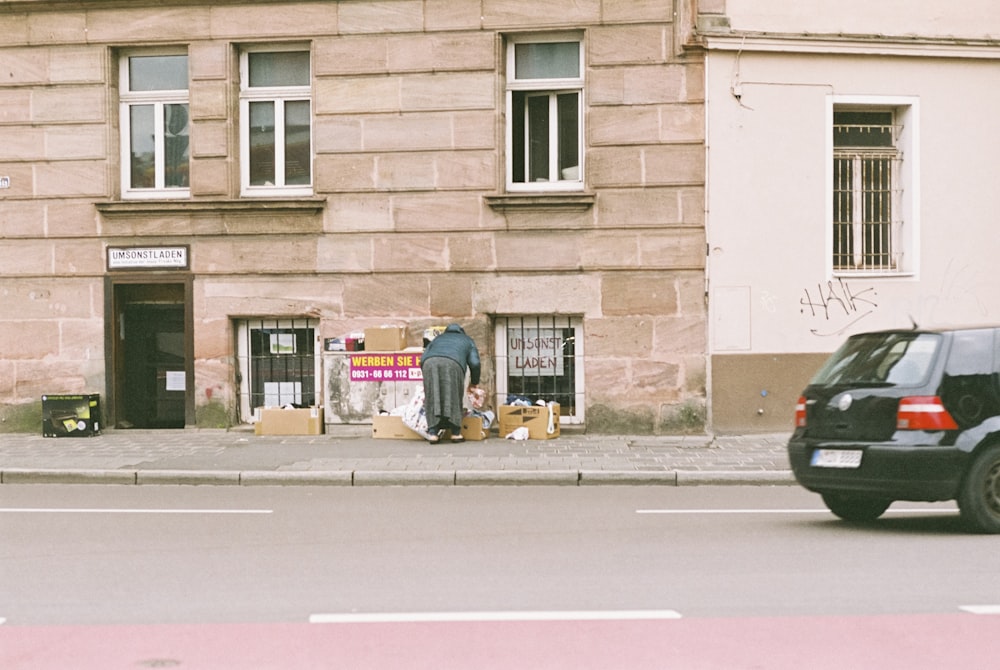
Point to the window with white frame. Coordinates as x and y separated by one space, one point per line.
540 358
873 217
544 113
155 140
275 122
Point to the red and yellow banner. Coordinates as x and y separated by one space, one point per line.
377 366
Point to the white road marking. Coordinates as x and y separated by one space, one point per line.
112 510
784 511
465 617
981 609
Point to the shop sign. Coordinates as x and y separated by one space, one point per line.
535 352
385 367
147 258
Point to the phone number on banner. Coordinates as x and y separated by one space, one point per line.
375 367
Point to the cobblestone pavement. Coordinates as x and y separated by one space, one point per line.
350 456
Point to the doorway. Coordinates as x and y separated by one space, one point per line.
152 350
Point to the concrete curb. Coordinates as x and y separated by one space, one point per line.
404 478
730 477
188 477
401 477
297 478
517 477
30 476
628 477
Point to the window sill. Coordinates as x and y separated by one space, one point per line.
275 206
872 274
541 202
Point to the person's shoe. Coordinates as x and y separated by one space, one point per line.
457 437
434 436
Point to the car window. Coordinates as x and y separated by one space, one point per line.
971 353
902 359
969 387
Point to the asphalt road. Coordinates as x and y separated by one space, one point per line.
618 563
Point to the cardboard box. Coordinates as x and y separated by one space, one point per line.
431 333
473 430
386 338
76 415
534 418
278 421
391 427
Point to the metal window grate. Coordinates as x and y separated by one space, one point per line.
866 196
281 362
540 356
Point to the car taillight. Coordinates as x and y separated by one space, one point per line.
800 412
923 413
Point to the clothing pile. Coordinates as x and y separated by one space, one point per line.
415 417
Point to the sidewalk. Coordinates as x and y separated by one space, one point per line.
349 456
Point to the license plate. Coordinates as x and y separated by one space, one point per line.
836 458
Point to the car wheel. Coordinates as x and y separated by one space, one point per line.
979 498
856 506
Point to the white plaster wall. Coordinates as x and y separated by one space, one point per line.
767 206
974 19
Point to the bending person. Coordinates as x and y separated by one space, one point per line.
444 362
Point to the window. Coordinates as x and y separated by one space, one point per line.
882 358
541 358
544 119
275 123
154 126
968 389
278 365
873 217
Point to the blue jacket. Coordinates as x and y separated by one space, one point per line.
453 343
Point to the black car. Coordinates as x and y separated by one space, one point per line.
904 415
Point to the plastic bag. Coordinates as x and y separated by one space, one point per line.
476 397
414 415
520 433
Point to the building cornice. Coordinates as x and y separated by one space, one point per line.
32 6
864 45
540 202
244 206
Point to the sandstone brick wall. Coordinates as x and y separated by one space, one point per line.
408 141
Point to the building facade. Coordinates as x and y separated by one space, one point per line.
850 185
198 199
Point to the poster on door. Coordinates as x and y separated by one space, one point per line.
535 352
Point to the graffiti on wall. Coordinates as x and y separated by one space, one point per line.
838 304
835 306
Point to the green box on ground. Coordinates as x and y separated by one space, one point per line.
76 415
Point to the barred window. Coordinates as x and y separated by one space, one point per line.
867 234
540 358
278 365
